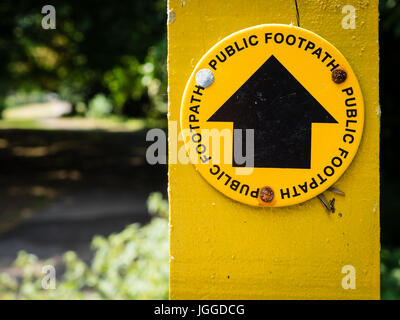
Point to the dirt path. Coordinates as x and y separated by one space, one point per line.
58 189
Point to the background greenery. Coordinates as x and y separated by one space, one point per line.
109 59
104 57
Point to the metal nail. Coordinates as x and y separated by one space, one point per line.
339 75
332 205
267 194
204 78
322 198
337 191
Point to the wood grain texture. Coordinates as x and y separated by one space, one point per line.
221 249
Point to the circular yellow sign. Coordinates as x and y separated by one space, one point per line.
272 115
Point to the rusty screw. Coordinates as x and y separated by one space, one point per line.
267 194
339 75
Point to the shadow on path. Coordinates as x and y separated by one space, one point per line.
60 188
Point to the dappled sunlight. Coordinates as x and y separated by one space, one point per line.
73 175
36 190
51 109
3 143
44 150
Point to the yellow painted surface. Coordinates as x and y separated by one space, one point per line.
333 145
221 249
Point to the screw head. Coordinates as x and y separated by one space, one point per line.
339 75
204 78
267 194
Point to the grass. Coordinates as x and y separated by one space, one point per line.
112 123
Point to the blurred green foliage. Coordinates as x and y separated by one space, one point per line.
21 98
117 49
389 40
132 264
390 16
99 106
156 205
390 274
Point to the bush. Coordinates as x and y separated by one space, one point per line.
100 106
132 264
106 50
390 274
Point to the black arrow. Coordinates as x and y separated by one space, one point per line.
281 111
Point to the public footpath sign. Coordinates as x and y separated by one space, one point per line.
274 104
282 83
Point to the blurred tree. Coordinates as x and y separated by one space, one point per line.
389 67
116 48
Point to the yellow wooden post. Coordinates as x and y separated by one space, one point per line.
222 249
